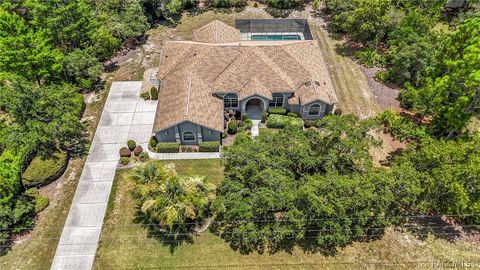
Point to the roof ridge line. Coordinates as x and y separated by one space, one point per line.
268 61
229 64
189 91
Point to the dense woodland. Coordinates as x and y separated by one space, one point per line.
52 51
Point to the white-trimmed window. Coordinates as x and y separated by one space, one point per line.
314 110
277 100
188 136
230 100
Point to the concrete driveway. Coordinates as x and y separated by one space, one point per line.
125 116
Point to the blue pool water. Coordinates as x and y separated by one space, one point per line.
275 37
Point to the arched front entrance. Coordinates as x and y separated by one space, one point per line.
254 108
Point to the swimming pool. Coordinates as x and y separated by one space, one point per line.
275 37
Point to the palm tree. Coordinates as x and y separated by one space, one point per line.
178 203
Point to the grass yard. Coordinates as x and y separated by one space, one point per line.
126 245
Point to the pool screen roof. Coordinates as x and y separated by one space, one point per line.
274 26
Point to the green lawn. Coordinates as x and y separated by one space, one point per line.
126 245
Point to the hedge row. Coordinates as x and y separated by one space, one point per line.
209 146
281 121
167 147
277 111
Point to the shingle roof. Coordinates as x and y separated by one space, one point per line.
254 86
186 97
247 68
216 32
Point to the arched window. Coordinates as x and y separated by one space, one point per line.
188 136
314 110
277 100
230 100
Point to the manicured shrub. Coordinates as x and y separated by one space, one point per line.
244 116
277 111
153 142
307 123
125 152
292 114
40 202
264 117
138 149
209 146
168 147
131 144
143 156
124 160
232 127
154 93
248 124
145 95
281 121
338 112
41 172
255 5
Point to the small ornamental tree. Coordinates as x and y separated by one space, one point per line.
176 203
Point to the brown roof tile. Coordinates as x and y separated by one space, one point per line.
186 97
245 67
254 86
216 32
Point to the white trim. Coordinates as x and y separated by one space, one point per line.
245 101
319 111
194 136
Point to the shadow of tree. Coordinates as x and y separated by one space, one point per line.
171 239
442 228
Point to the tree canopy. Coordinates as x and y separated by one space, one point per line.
175 202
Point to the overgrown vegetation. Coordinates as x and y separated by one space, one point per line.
439 70
321 184
50 51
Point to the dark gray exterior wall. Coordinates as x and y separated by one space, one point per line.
305 108
295 108
174 134
167 135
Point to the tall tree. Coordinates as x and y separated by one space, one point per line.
367 22
451 91
45 118
25 51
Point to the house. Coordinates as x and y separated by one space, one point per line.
249 68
